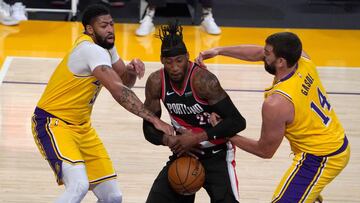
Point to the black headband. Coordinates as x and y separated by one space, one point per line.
174 51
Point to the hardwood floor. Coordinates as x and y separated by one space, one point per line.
26 177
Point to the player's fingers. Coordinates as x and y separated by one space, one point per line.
214 119
180 150
180 153
183 130
140 68
176 147
199 59
131 66
171 131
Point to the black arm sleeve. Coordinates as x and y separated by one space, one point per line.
152 134
232 122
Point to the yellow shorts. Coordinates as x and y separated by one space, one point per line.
309 174
75 144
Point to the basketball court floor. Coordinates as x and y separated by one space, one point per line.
30 52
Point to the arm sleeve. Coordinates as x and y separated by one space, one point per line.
152 134
232 123
114 55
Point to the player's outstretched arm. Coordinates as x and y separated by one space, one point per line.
243 52
277 112
127 98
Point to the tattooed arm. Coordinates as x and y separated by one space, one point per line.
152 102
127 98
207 87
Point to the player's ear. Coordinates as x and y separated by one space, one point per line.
89 29
282 61
187 55
162 59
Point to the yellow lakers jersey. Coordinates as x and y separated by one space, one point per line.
315 128
68 96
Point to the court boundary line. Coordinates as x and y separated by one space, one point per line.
5 67
156 62
9 59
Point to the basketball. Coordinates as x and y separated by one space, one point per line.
186 175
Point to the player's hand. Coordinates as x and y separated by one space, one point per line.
169 140
166 128
192 151
215 119
184 143
187 141
137 66
211 53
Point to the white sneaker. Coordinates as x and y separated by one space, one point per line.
210 26
5 17
18 11
146 26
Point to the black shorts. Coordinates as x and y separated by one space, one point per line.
220 179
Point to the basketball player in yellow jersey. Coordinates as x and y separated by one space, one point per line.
61 122
296 106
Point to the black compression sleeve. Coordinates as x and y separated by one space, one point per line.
232 122
152 134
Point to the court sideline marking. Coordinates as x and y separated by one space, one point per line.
8 60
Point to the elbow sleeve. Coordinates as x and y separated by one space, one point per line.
152 134
232 123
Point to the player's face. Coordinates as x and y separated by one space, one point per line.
104 31
176 67
270 60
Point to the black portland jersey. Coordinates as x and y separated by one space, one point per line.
186 109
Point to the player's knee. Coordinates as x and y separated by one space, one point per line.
78 187
114 198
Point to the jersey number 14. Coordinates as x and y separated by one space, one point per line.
325 108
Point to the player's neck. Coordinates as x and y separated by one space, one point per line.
284 72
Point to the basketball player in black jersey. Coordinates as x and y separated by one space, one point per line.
190 94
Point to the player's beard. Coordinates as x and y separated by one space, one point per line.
180 79
102 41
270 68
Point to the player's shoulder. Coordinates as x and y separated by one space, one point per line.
201 74
154 84
275 101
87 47
154 78
156 75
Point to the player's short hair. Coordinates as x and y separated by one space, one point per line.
93 11
172 40
286 45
